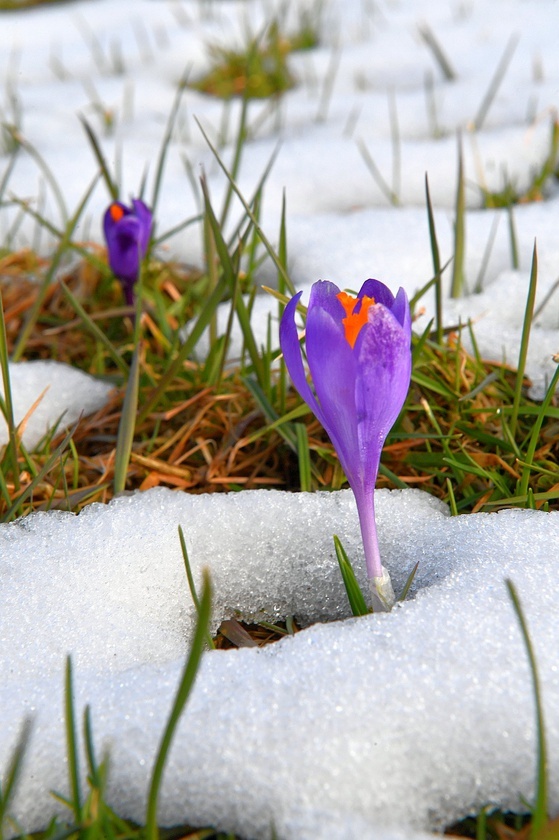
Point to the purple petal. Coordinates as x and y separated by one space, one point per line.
145 218
291 349
333 368
123 245
378 291
382 382
401 310
324 295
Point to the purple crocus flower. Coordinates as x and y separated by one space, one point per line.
127 232
359 356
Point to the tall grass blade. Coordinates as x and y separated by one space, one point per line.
230 274
495 82
304 457
249 212
191 584
7 404
539 813
408 583
48 174
166 141
127 424
237 155
478 285
12 773
98 333
328 85
376 173
186 349
101 160
457 284
513 239
535 433
355 596
436 265
183 692
429 39
63 246
526 328
72 743
282 256
45 469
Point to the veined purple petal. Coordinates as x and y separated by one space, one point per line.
378 291
291 349
401 310
382 382
324 295
333 368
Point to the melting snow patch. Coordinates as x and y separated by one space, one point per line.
401 721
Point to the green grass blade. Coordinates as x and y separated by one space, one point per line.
513 239
183 692
237 155
186 348
535 433
436 265
47 467
304 457
71 743
526 328
457 283
96 331
127 424
429 39
12 773
408 582
48 174
249 212
63 246
230 275
100 157
495 82
7 404
166 141
191 584
539 814
354 594
376 173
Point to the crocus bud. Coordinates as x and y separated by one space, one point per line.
127 232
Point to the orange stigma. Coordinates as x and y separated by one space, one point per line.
116 212
354 320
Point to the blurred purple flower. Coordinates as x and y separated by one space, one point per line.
127 232
359 356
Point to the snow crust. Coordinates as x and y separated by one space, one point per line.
62 394
406 720
383 727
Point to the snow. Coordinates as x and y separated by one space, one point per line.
382 727
408 719
49 394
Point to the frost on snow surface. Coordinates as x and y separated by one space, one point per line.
410 719
370 728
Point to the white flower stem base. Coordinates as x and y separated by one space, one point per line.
382 593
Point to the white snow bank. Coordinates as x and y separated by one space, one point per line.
407 720
64 393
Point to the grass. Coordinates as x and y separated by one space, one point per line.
193 420
260 70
